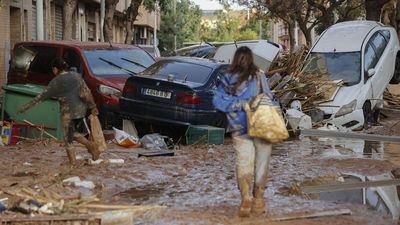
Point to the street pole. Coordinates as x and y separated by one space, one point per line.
260 29
174 24
155 27
102 15
39 20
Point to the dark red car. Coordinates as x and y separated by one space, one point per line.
103 66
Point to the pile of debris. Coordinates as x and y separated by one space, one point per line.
50 200
391 100
305 92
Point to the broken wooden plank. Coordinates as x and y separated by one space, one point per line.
134 207
93 217
338 212
312 215
352 135
348 186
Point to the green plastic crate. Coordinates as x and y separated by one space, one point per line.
205 134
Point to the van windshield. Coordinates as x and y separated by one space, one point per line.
344 66
117 62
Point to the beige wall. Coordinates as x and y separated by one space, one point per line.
4 39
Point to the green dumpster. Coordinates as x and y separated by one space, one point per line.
45 114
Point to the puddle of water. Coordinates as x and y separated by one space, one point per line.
383 199
138 195
340 147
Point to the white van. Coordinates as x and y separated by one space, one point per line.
362 55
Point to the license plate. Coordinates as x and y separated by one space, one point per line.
157 93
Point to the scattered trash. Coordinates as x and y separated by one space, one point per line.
210 150
78 157
297 119
153 154
3 199
126 140
340 179
121 161
2 207
78 183
72 179
129 127
153 141
45 209
13 184
25 174
95 162
27 164
85 184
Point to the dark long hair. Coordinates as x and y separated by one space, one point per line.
243 65
60 64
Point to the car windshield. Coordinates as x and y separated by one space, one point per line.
182 71
117 62
344 66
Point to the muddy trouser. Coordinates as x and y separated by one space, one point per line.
70 131
252 161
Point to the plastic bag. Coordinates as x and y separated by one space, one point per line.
126 140
153 141
97 135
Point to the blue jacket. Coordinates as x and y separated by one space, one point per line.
233 105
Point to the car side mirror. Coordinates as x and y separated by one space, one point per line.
371 72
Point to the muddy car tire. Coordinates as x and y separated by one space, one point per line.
371 117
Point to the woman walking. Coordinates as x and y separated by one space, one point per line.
252 154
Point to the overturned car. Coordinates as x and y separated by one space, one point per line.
362 58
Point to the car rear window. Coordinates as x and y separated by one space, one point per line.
180 70
117 62
34 58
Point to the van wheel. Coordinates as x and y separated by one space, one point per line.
396 76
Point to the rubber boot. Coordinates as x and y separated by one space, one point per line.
90 145
71 155
247 202
259 207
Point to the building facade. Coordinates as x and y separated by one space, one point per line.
280 34
18 23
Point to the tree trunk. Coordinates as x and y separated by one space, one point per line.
373 9
291 35
109 20
306 31
68 12
131 15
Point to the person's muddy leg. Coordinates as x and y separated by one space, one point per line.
67 128
245 171
90 145
263 156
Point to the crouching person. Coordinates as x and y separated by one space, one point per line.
252 154
75 99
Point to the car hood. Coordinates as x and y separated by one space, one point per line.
341 96
116 82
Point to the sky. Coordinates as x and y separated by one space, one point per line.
213 4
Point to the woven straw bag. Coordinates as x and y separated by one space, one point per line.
264 119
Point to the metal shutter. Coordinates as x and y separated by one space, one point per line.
34 24
58 23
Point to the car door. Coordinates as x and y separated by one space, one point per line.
378 57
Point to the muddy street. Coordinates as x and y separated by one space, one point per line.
198 185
